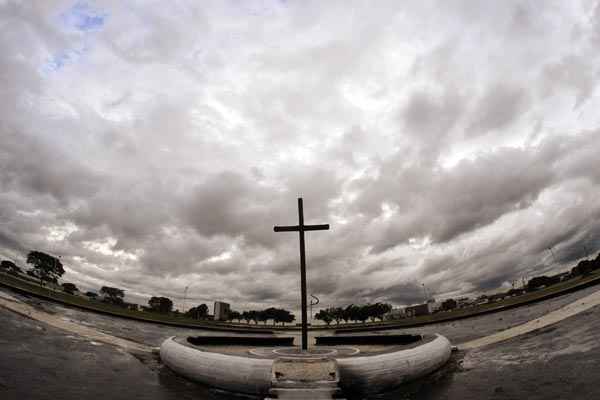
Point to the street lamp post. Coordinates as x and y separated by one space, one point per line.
553 256
311 306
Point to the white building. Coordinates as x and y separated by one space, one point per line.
396 313
221 311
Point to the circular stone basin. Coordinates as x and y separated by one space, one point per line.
295 352
311 353
369 369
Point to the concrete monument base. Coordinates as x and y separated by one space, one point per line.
267 371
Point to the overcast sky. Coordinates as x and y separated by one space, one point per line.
153 145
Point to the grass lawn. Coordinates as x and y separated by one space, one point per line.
558 289
29 287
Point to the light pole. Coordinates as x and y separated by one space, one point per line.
311 305
552 252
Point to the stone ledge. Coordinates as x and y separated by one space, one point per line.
253 375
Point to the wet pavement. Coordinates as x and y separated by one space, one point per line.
559 362
40 362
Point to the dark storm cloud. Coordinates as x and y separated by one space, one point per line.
429 116
231 204
158 150
443 204
571 72
32 166
8 241
497 108
403 293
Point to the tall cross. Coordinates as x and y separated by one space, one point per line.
301 228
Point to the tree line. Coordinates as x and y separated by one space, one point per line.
277 315
48 269
354 313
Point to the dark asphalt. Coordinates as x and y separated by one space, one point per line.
39 362
559 362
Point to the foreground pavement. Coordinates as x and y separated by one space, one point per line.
38 361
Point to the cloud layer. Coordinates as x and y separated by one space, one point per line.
447 144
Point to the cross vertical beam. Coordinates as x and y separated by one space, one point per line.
302 274
301 228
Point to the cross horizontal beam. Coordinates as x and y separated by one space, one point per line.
301 228
296 228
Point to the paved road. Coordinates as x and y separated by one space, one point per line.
39 362
559 362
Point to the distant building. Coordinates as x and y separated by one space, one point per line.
221 311
449 304
396 313
429 307
132 306
418 310
434 306
463 302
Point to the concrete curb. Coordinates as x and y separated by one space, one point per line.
232 373
553 317
365 374
383 372
60 322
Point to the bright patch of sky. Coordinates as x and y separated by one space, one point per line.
58 233
82 18
106 247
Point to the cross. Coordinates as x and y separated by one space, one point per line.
301 228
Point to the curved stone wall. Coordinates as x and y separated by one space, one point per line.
383 372
359 374
232 373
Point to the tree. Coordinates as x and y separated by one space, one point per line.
112 295
351 312
282 316
363 313
371 310
199 312
286 317
325 316
337 313
10 267
262 316
246 316
234 315
160 304
380 309
45 267
91 295
253 316
584 267
69 288
540 281
450 304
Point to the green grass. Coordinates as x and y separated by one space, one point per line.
524 299
29 287
35 289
